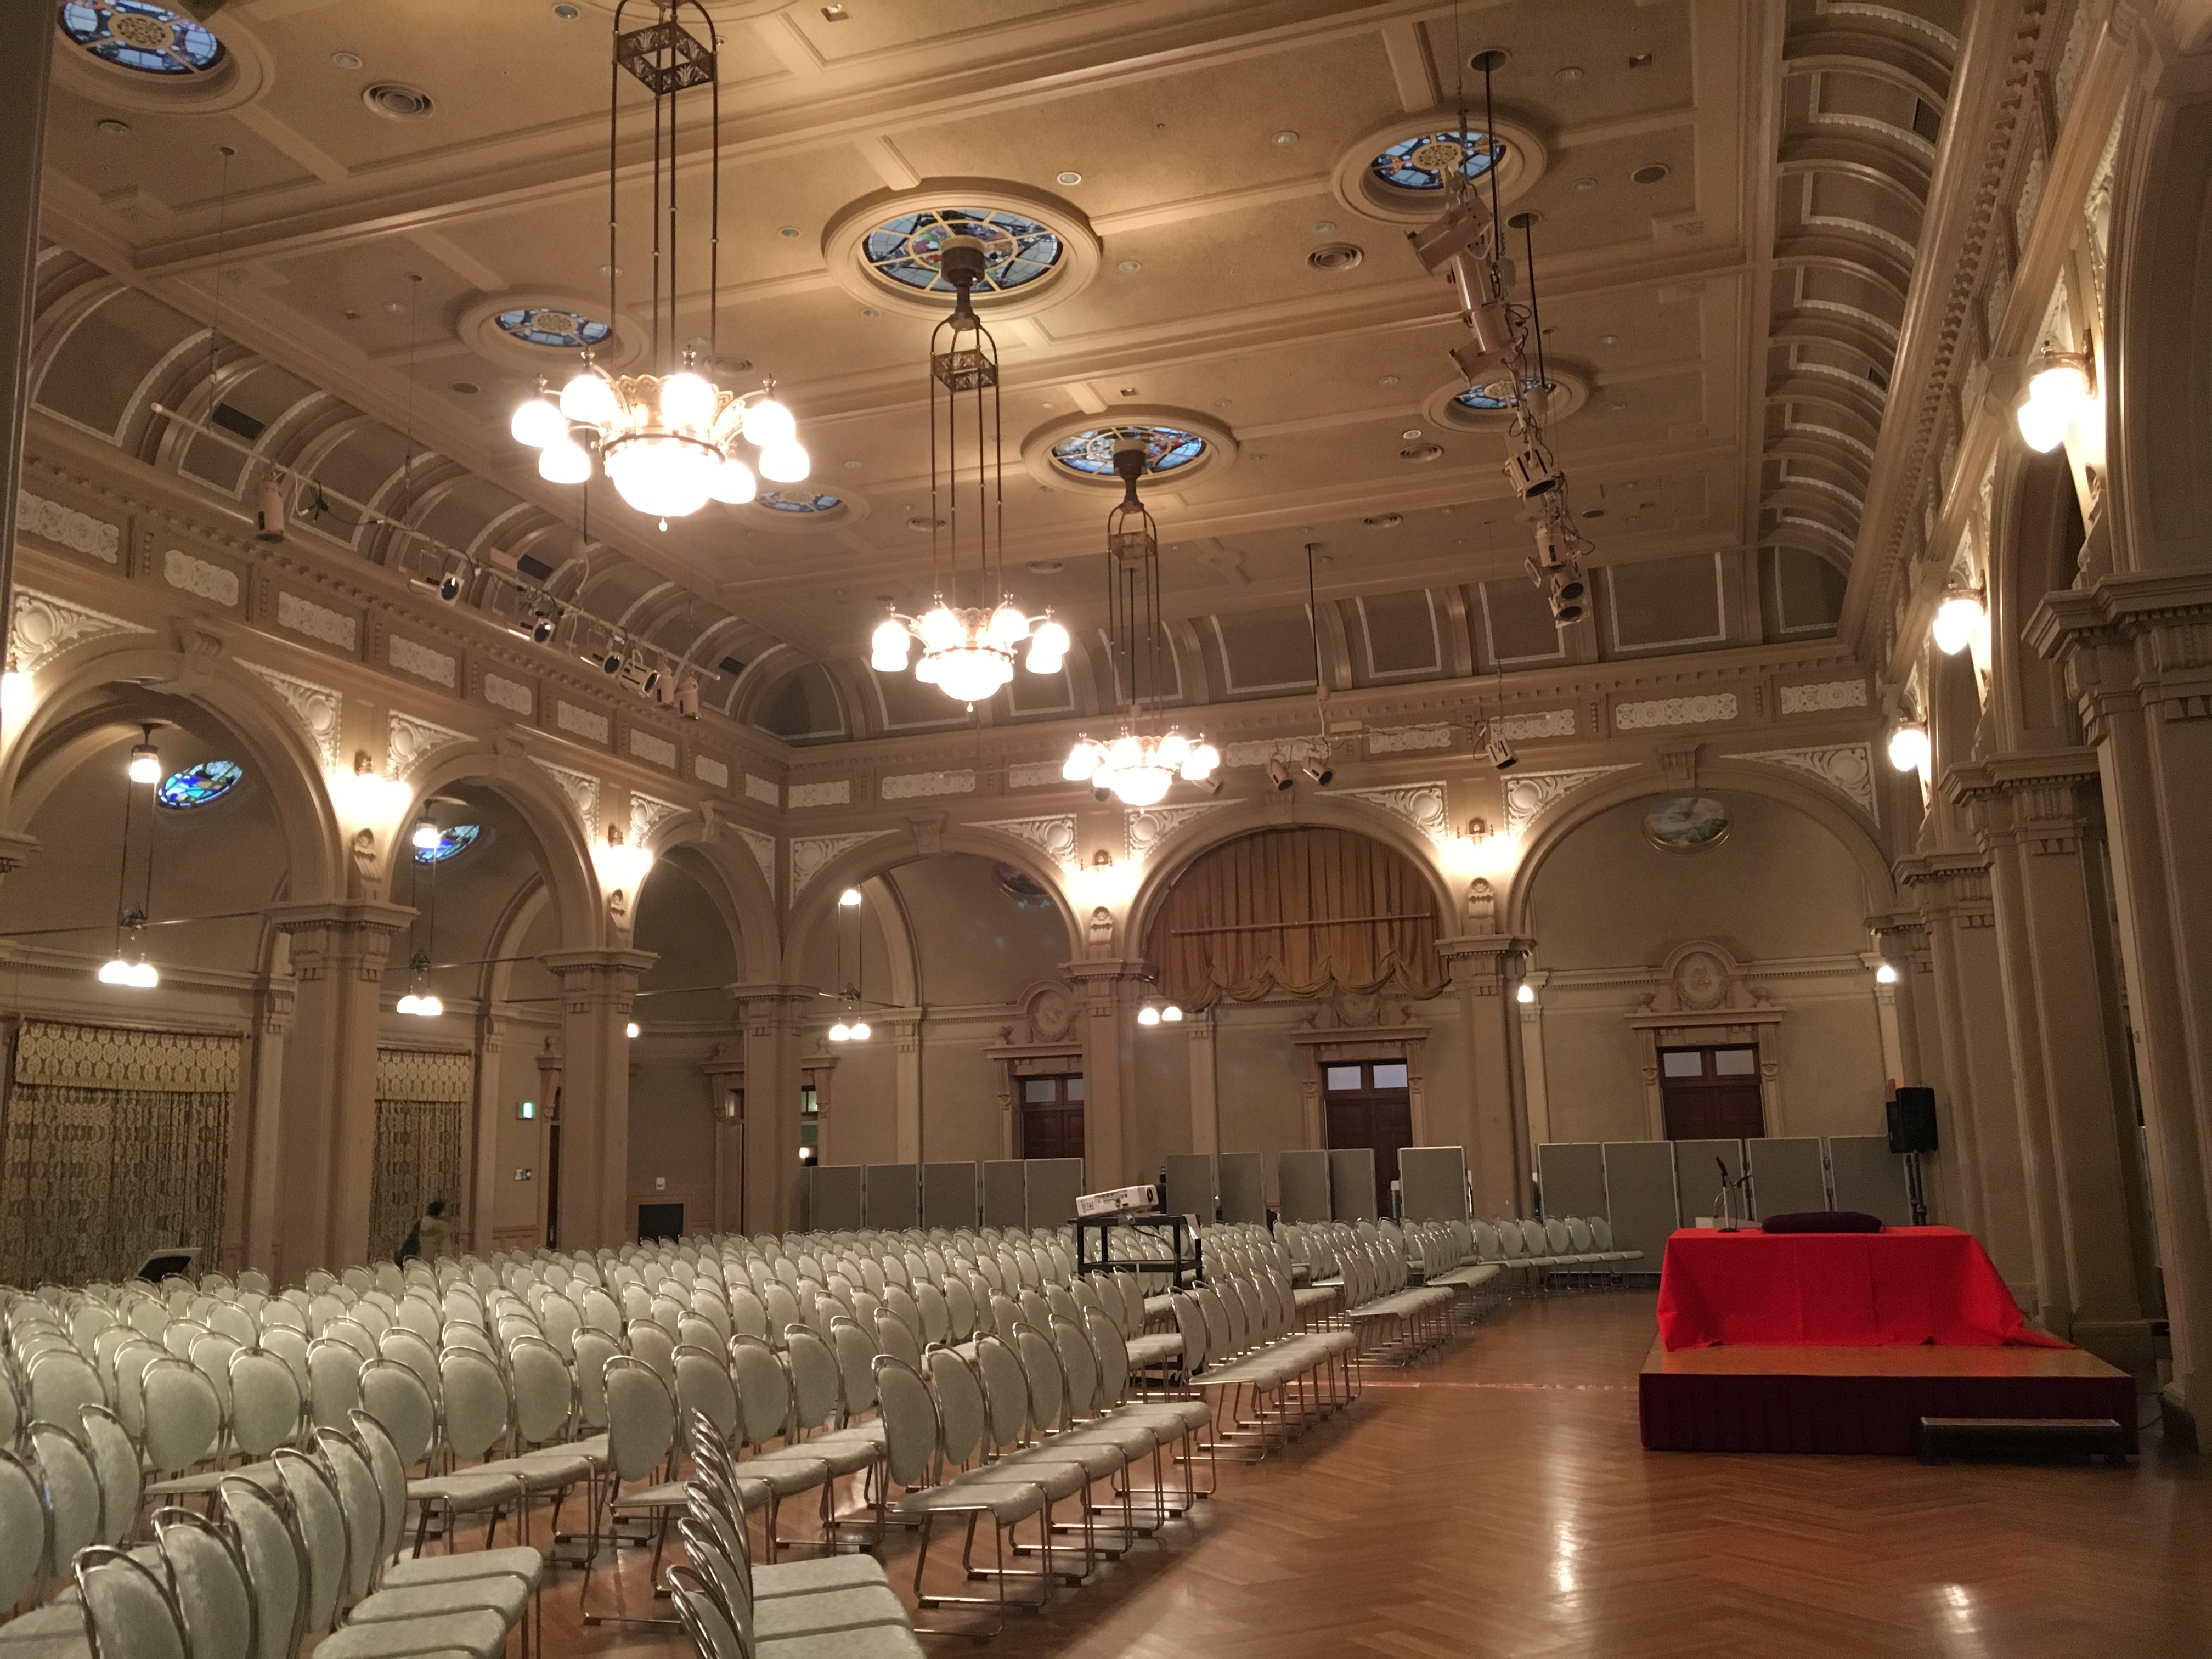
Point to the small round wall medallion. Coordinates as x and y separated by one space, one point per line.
1684 823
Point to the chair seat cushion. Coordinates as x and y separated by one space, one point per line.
1173 1417
1313 1295
1128 1435
467 1491
855 1607
1059 1473
1004 1502
536 1473
523 1562
505 1596
828 1572
1467 1276
57 1626
788 1473
1159 1348
876 1641
480 1635
843 1455
185 1485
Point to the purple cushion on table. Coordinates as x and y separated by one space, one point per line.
1822 1221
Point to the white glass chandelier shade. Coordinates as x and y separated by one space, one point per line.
967 652
1957 620
428 1007
2058 395
1908 747
1138 770
139 975
538 422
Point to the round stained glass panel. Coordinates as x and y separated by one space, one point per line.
780 500
1493 400
1017 250
1426 162
451 842
196 786
135 34
545 326
1167 448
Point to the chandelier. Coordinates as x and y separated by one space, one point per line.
1138 766
967 651
669 441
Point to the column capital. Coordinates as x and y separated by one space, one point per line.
1483 962
366 917
2042 800
14 851
565 962
2132 639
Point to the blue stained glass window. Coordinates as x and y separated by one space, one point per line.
1423 163
1091 453
451 842
543 325
196 786
793 501
1015 250
1494 399
138 34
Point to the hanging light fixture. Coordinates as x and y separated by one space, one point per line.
669 441
1138 766
2057 394
1957 619
133 971
1908 746
850 1026
967 651
145 760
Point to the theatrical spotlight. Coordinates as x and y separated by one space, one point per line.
1279 773
1498 751
1319 770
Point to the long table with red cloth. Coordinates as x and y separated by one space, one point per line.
1896 1287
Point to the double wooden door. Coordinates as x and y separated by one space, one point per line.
1052 1116
1712 1093
1369 1104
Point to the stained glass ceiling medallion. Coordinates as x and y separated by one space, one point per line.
1016 250
1167 449
196 786
780 500
135 34
1494 398
452 840
546 325
1422 162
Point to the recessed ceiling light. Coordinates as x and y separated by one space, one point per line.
1639 60
395 308
835 15
1383 521
1047 566
1071 176
1128 392
1410 433
1416 453
870 311
1493 60
346 60
1585 184
397 101
466 388
1651 174
850 466
1617 408
1569 75
1324 227
1387 379
1336 256
1593 513
1131 267
789 233
1286 137
566 13
1609 339
113 128
1222 403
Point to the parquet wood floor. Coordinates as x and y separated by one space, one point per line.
1494 1503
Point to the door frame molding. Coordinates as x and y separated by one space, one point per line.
1393 1042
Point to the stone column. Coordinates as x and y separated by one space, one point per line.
322 1154
2138 650
1108 995
1536 1085
1205 1085
2030 812
484 1135
272 1024
904 1031
1492 1124
599 989
770 1016
27 46
1907 1010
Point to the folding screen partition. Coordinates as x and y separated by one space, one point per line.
1243 1187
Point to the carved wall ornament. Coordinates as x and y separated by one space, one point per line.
646 814
512 696
1147 827
45 626
1100 932
413 741
762 789
68 527
909 785
1674 711
202 578
1702 977
837 793
763 847
1481 907
1550 723
710 771
1342 1010
1405 738
410 657
648 747
812 854
1421 805
1260 751
1033 775
1045 1013
319 622
1529 795
318 709
1847 769
583 793
1054 837
585 723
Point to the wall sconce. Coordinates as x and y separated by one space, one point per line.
1957 620
622 866
1886 974
1908 746
1102 860
526 1109
1526 993
2058 392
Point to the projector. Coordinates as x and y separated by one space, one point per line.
1119 1200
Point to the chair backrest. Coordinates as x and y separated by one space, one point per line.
183 1415
1048 1383
1559 1237
651 1342
418 1354
322 1533
391 1478
333 1382
115 1464
475 1403
62 1381
26 1539
817 1385
265 1401
640 1418
1112 1355
274 1569
1078 1367
782 1305
544 1392
594 1347
910 1422
1580 1239
395 1397
1006 1390
703 1390
1601 1232
962 1412
959 1308
361 1502
711 1627
856 1355
213 1595
748 1313
419 1313
130 1609
764 1390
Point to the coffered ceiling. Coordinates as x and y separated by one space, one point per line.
1722 332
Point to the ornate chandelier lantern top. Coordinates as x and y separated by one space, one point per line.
669 439
967 651
1139 764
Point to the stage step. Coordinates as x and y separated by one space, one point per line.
2028 1438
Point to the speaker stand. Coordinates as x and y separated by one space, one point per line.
1915 1193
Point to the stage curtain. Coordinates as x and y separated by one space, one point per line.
422 1141
118 1143
1307 911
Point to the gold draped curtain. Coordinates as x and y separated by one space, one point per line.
422 1141
1304 911
116 1144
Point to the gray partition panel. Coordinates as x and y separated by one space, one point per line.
1571 1176
1697 1178
1785 1176
1243 1187
1639 1186
951 1194
837 1207
1054 1183
894 1196
1868 1176
1193 1186
1433 1183
1301 1186
1351 1183
1006 1192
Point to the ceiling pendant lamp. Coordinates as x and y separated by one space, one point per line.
967 651
1140 765
671 440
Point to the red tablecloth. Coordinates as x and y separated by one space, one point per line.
1903 1286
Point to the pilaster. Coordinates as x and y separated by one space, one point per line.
1108 994
1491 1123
1205 1084
770 1015
599 989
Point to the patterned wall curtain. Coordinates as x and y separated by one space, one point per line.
118 1143
1304 911
422 1141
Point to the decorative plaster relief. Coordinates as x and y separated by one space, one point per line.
906 785
762 789
1054 837
811 854
80 532
707 769
318 622
839 794
1529 794
512 696
1829 694
763 847
659 750
45 626
1149 826
646 814
1847 769
420 661
583 794
1033 775
202 577
1674 711
414 741
317 708
1261 750
1409 737
1421 805
1551 723
583 722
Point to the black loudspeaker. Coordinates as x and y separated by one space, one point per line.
1912 1120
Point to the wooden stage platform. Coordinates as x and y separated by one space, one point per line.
1862 1399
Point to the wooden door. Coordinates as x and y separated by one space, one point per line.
1369 1105
1712 1093
1052 1116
